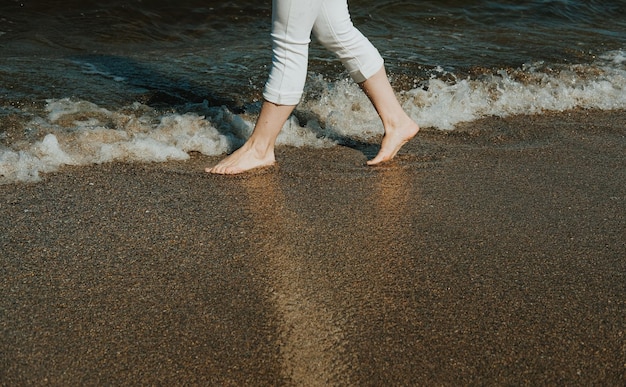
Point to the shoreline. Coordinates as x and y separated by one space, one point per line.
492 254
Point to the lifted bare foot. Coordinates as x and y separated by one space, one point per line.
393 141
242 160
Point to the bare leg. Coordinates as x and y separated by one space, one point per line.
399 127
258 151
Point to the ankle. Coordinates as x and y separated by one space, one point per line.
398 121
259 147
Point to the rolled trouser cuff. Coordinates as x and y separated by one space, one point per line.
362 73
281 97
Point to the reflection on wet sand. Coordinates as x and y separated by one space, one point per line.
311 340
387 259
392 193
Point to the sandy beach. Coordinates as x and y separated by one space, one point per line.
494 254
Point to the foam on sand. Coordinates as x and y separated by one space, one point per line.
71 132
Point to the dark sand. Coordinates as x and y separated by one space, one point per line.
492 255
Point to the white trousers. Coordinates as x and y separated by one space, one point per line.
329 20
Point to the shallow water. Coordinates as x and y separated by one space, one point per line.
84 82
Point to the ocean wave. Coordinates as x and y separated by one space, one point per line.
533 89
78 132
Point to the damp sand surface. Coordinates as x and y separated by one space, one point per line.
490 255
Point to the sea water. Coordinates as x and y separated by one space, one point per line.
84 82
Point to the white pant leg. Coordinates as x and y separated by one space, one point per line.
334 29
292 23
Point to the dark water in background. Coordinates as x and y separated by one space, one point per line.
73 69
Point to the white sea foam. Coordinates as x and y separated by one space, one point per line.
443 104
82 133
79 132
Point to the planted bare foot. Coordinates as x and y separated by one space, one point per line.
393 141
242 160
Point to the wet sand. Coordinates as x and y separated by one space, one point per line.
491 255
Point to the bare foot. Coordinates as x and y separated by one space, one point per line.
393 141
242 160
